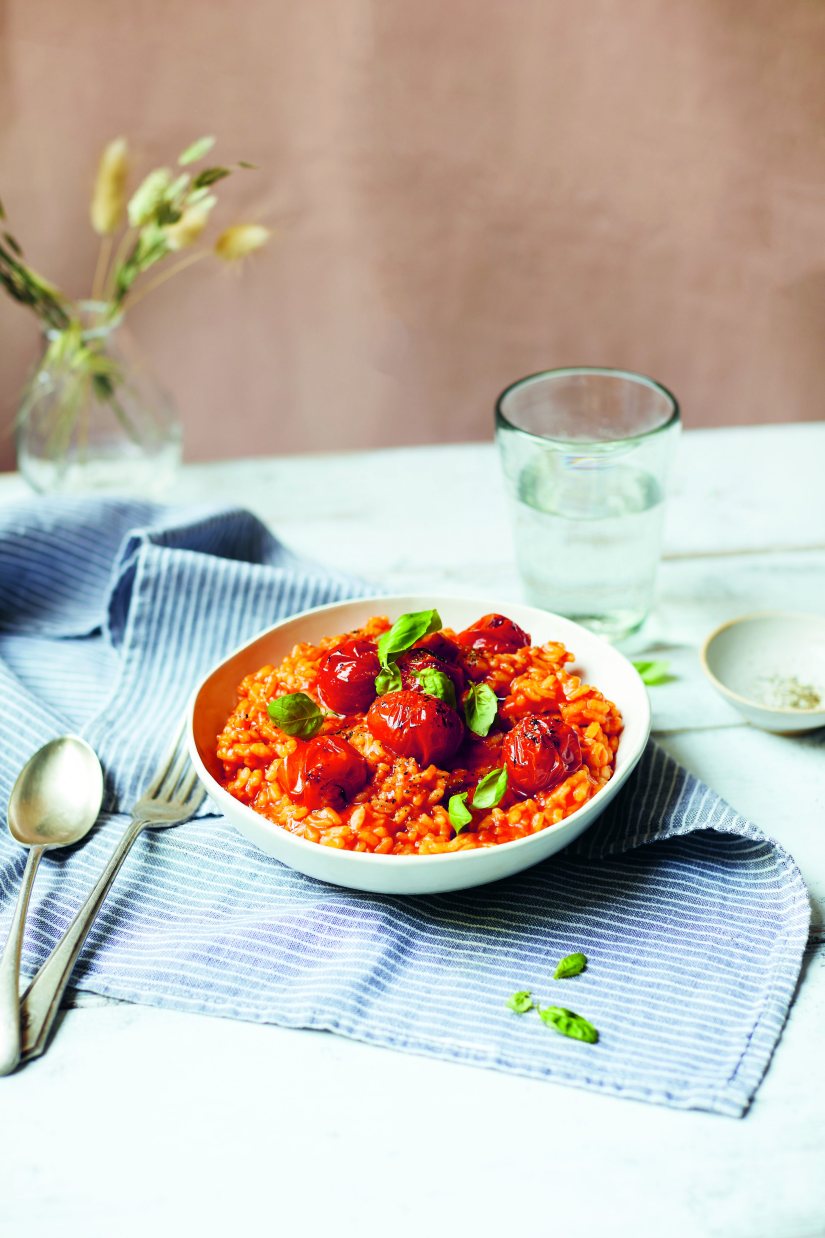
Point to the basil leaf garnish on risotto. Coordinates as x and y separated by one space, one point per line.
570 965
460 814
406 630
491 788
436 683
388 679
480 708
520 1002
296 714
569 1024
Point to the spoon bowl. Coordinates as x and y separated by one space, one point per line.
54 802
57 796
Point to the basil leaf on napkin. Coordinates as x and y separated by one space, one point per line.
436 683
652 673
296 714
406 630
460 814
491 788
520 1002
570 965
569 1024
480 708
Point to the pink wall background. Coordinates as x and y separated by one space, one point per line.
464 190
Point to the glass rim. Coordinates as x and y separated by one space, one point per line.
567 371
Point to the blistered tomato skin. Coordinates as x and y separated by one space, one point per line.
346 677
415 660
493 634
324 773
440 645
539 753
414 724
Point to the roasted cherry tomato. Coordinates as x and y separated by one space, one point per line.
493 634
415 660
413 724
440 645
324 773
346 677
540 752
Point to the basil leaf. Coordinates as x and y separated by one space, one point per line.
436 683
520 1002
490 790
480 708
653 672
296 714
388 679
460 814
569 1024
406 630
570 965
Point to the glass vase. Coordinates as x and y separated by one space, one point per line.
93 417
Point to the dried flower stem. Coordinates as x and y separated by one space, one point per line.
124 245
168 212
133 298
103 256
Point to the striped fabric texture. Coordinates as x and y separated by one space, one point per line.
693 921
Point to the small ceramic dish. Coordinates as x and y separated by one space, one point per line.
597 662
771 668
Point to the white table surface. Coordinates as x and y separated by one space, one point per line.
141 1121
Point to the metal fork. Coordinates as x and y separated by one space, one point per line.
171 799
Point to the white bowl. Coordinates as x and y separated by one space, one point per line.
747 658
598 662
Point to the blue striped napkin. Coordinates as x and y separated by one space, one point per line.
693 922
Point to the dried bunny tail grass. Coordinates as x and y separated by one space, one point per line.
148 196
241 240
191 224
108 205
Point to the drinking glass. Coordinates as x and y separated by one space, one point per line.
585 453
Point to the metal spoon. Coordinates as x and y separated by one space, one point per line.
54 802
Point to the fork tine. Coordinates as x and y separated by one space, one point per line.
185 792
169 786
165 765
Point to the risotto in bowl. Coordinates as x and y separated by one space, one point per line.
413 745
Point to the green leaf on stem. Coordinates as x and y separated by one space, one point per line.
209 176
196 151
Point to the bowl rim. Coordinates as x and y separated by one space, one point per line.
749 701
475 855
